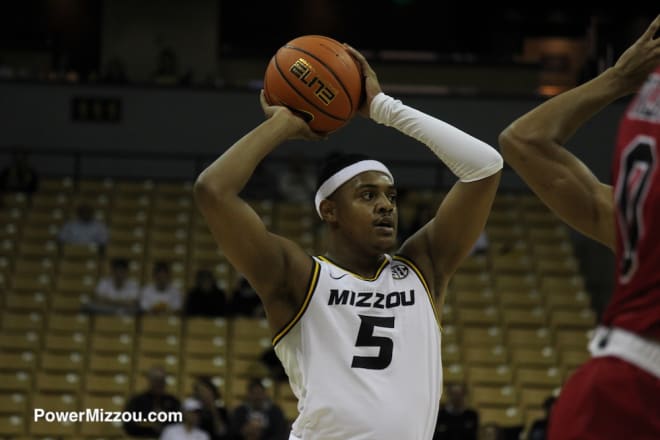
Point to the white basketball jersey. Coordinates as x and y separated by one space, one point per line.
363 355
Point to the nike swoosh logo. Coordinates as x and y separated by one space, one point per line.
339 277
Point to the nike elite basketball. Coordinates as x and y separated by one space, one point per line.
316 78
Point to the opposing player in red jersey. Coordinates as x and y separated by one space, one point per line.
616 394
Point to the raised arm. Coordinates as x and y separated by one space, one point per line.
269 262
439 247
534 144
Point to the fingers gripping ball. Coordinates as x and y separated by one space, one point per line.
316 78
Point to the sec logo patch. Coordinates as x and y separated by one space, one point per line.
399 271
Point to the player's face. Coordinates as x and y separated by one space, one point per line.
366 211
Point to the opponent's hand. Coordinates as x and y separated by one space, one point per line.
371 84
296 127
637 62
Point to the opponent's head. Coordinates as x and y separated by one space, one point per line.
356 196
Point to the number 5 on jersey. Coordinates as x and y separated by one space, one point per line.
366 338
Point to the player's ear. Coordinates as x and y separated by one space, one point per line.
328 211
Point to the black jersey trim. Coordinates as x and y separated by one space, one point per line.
313 281
360 277
414 267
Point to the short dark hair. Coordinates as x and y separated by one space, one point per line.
335 162
161 266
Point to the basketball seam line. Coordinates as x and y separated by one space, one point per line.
332 72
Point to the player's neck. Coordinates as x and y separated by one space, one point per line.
364 265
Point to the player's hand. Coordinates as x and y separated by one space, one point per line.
637 62
371 84
296 127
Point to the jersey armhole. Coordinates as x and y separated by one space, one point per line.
408 262
313 280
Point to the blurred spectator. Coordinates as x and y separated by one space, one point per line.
6 71
214 418
84 229
258 417
116 293
114 72
189 429
298 182
161 295
245 301
455 420
167 68
19 176
206 298
540 426
154 399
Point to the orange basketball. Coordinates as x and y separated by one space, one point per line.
317 79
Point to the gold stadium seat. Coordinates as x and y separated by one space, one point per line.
110 403
492 356
452 373
568 300
250 328
116 363
67 342
68 302
248 368
545 234
534 397
481 336
249 348
171 363
532 357
159 344
18 381
26 301
202 346
524 317
63 362
30 267
128 219
511 263
12 425
497 375
12 320
558 283
572 358
77 268
172 205
40 232
520 299
69 323
41 249
474 264
450 334
91 186
562 266
13 402
56 185
451 353
474 298
569 339
532 338
483 316
114 324
20 341
31 284
462 281
172 383
161 325
128 203
493 396
59 402
538 377
207 366
130 251
573 319
516 282
76 284
112 342
23 361
180 220
188 383
503 217
168 237
170 189
289 408
506 233
79 251
207 327
68 382
502 417
114 384
130 235
145 186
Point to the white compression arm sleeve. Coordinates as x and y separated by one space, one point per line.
467 157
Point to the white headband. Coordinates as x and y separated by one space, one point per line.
344 175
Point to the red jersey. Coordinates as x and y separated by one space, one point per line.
635 304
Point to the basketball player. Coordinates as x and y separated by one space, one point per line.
356 329
616 394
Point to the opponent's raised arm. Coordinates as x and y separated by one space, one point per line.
534 144
443 243
259 255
